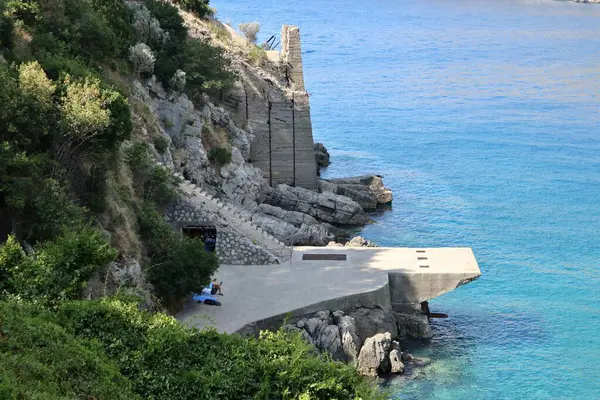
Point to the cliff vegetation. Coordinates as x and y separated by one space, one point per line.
80 194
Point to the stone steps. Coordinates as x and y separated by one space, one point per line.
236 220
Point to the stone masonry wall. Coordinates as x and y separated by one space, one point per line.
276 109
235 250
292 55
231 248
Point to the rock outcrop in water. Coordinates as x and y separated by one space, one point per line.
367 190
365 337
321 155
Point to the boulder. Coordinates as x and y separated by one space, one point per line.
312 326
368 190
359 241
329 341
406 356
350 341
413 324
374 355
396 365
327 207
321 155
371 321
303 235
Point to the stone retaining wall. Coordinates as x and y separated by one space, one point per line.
232 249
236 250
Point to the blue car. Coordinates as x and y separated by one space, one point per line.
205 297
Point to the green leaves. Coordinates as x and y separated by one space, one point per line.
39 359
60 268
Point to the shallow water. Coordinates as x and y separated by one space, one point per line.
483 117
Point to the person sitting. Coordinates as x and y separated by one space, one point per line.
215 288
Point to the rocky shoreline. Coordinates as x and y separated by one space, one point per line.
257 217
368 338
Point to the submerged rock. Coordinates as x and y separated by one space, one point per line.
321 155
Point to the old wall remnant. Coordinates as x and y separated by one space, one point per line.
272 101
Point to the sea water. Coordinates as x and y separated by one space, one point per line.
483 116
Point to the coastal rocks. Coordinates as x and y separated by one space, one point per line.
374 357
295 228
363 337
349 339
367 190
359 241
396 364
321 155
371 321
413 324
334 333
327 207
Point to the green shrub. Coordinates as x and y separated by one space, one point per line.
41 360
207 66
151 182
6 29
169 19
25 118
257 55
161 144
178 265
60 268
163 359
49 212
220 155
198 7
110 349
20 175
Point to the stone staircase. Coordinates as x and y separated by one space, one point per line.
236 221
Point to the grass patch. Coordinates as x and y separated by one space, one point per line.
257 55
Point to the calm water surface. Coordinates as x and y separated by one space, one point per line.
483 116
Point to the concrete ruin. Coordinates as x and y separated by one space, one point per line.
276 108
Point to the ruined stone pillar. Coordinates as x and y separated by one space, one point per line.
291 53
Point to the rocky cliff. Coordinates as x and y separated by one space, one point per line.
268 195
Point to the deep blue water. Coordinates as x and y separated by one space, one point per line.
484 118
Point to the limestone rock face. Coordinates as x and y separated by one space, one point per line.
371 321
359 241
321 155
367 190
327 207
374 355
413 324
396 364
329 341
350 340
125 276
316 234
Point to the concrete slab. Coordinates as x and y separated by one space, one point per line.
368 277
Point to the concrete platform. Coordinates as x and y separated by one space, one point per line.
367 277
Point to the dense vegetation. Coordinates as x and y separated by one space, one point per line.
79 190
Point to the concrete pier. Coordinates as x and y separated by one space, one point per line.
319 278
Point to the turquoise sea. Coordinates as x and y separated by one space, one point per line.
483 116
